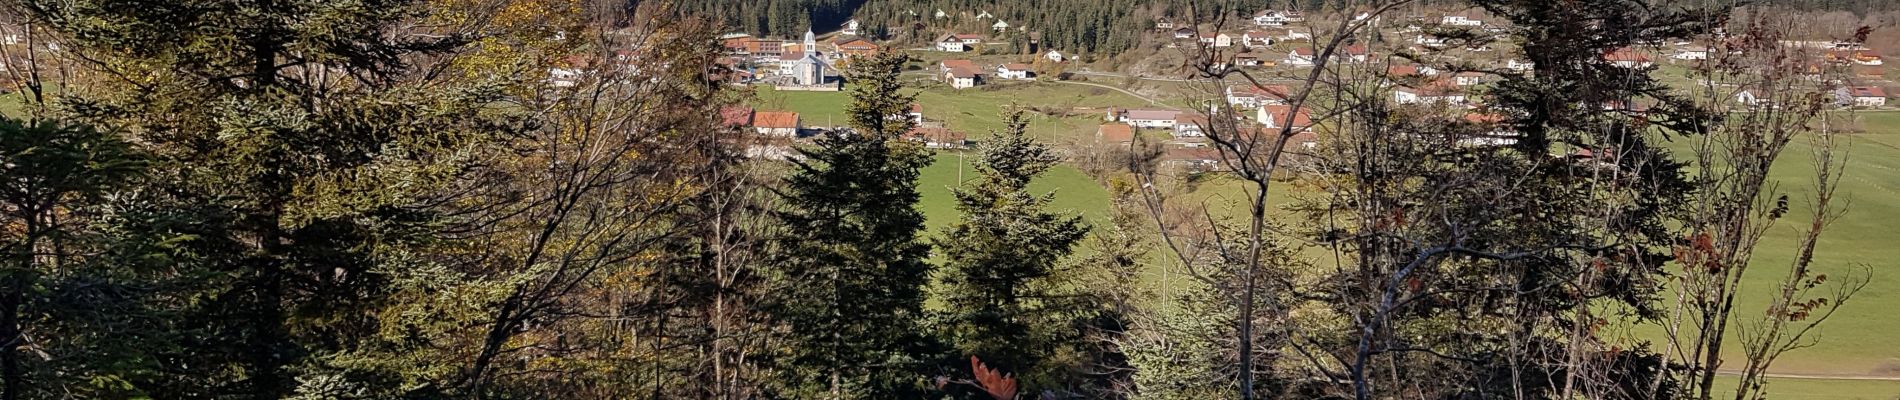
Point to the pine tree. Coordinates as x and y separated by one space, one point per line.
1001 257
850 278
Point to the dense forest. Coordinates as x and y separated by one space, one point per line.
504 199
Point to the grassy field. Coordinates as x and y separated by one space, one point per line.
1075 192
976 112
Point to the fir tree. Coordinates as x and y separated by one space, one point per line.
1002 256
850 278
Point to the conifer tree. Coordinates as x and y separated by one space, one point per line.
850 276
1001 258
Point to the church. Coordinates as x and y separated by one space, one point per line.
810 69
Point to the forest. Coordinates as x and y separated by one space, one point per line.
406 199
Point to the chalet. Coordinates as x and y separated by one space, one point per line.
1627 58
1249 96
949 42
1439 92
1018 71
985 14
1257 38
1464 18
1428 40
853 47
1054 56
1000 26
1294 34
776 123
1276 117
1115 134
969 38
1862 96
1184 33
1302 56
937 137
1162 24
850 28
1519 66
962 77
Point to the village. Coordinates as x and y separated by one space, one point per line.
1270 44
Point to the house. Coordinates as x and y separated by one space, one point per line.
764 49
962 77
1463 18
1115 134
937 137
1750 97
1054 56
1470 78
1217 39
1293 34
1184 33
969 38
1146 118
1250 96
1163 23
1192 159
1189 126
1014 71
1519 66
1496 131
951 42
1257 39
1247 60
1439 92
1000 26
1357 53
735 44
1405 71
1302 56
1691 54
941 14
1627 58
776 123
1428 40
1276 117
1860 56
916 113
1277 18
853 47
850 28
1862 96
985 14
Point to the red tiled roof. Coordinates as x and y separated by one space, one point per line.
732 116
1625 54
775 119
1280 113
957 63
1867 91
962 72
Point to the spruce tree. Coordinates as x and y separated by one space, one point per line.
850 274
1002 256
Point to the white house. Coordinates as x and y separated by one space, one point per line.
1749 97
1256 39
1162 24
1469 78
1279 117
1691 54
953 43
1014 71
1184 33
1217 39
564 77
1054 56
984 15
941 14
1627 58
969 38
1000 26
1461 19
1189 125
776 123
1863 96
850 28
1435 94
1519 66
1153 119
1270 18
1295 34
962 78
1428 40
1246 60
1249 96
1302 56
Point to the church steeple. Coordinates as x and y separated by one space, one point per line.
811 45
